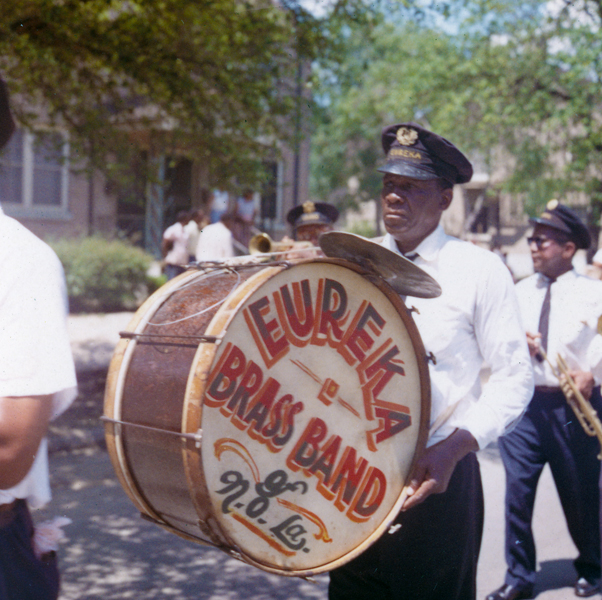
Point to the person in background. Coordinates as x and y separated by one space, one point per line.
560 310
174 246
595 270
193 229
311 219
244 218
219 203
216 241
37 383
433 551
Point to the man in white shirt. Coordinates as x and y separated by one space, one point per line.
216 241
175 246
433 555
560 311
37 383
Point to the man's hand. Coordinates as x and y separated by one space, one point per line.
23 424
435 467
534 343
584 381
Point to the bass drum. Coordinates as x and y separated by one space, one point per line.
273 412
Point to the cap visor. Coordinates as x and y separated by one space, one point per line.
396 167
552 224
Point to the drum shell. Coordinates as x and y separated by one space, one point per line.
162 472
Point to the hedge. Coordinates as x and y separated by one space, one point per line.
104 275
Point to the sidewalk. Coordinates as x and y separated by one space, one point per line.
94 337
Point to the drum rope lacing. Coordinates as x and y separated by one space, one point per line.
207 308
211 269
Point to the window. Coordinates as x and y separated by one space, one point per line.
34 174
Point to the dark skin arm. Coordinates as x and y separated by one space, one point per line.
435 467
23 424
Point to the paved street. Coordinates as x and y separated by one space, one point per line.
111 553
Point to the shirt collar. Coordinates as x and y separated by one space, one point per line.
542 280
429 247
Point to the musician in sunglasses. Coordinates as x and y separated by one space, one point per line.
432 550
37 382
559 310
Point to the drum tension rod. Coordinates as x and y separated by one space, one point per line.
153 338
196 437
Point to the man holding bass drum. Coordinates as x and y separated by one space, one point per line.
432 550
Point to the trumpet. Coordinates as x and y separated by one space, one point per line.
584 411
262 243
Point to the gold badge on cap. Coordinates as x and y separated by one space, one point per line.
407 136
552 204
309 207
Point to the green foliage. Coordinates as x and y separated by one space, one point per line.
516 84
104 275
366 229
215 79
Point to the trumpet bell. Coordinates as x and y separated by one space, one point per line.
260 244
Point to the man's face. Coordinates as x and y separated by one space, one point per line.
550 257
311 233
412 208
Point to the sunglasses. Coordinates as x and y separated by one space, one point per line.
539 241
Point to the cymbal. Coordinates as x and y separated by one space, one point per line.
400 273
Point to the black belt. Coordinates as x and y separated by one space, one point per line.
547 389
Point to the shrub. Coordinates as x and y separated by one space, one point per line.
104 275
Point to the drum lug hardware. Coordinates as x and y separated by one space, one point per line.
394 528
413 309
199 438
195 437
430 357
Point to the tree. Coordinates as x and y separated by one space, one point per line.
391 73
214 77
520 78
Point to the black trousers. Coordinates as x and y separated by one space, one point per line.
433 556
550 433
22 575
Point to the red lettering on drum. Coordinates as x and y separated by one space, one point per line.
261 407
372 492
328 391
357 340
349 472
268 335
331 313
353 485
250 403
393 418
296 313
222 379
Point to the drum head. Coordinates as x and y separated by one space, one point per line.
314 409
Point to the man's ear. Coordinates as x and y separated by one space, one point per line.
568 250
447 195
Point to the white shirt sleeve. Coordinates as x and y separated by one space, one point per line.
501 338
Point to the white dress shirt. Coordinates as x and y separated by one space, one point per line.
178 255
215 243
35 353
575 305
474 321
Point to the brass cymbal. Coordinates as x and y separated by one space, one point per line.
400 273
